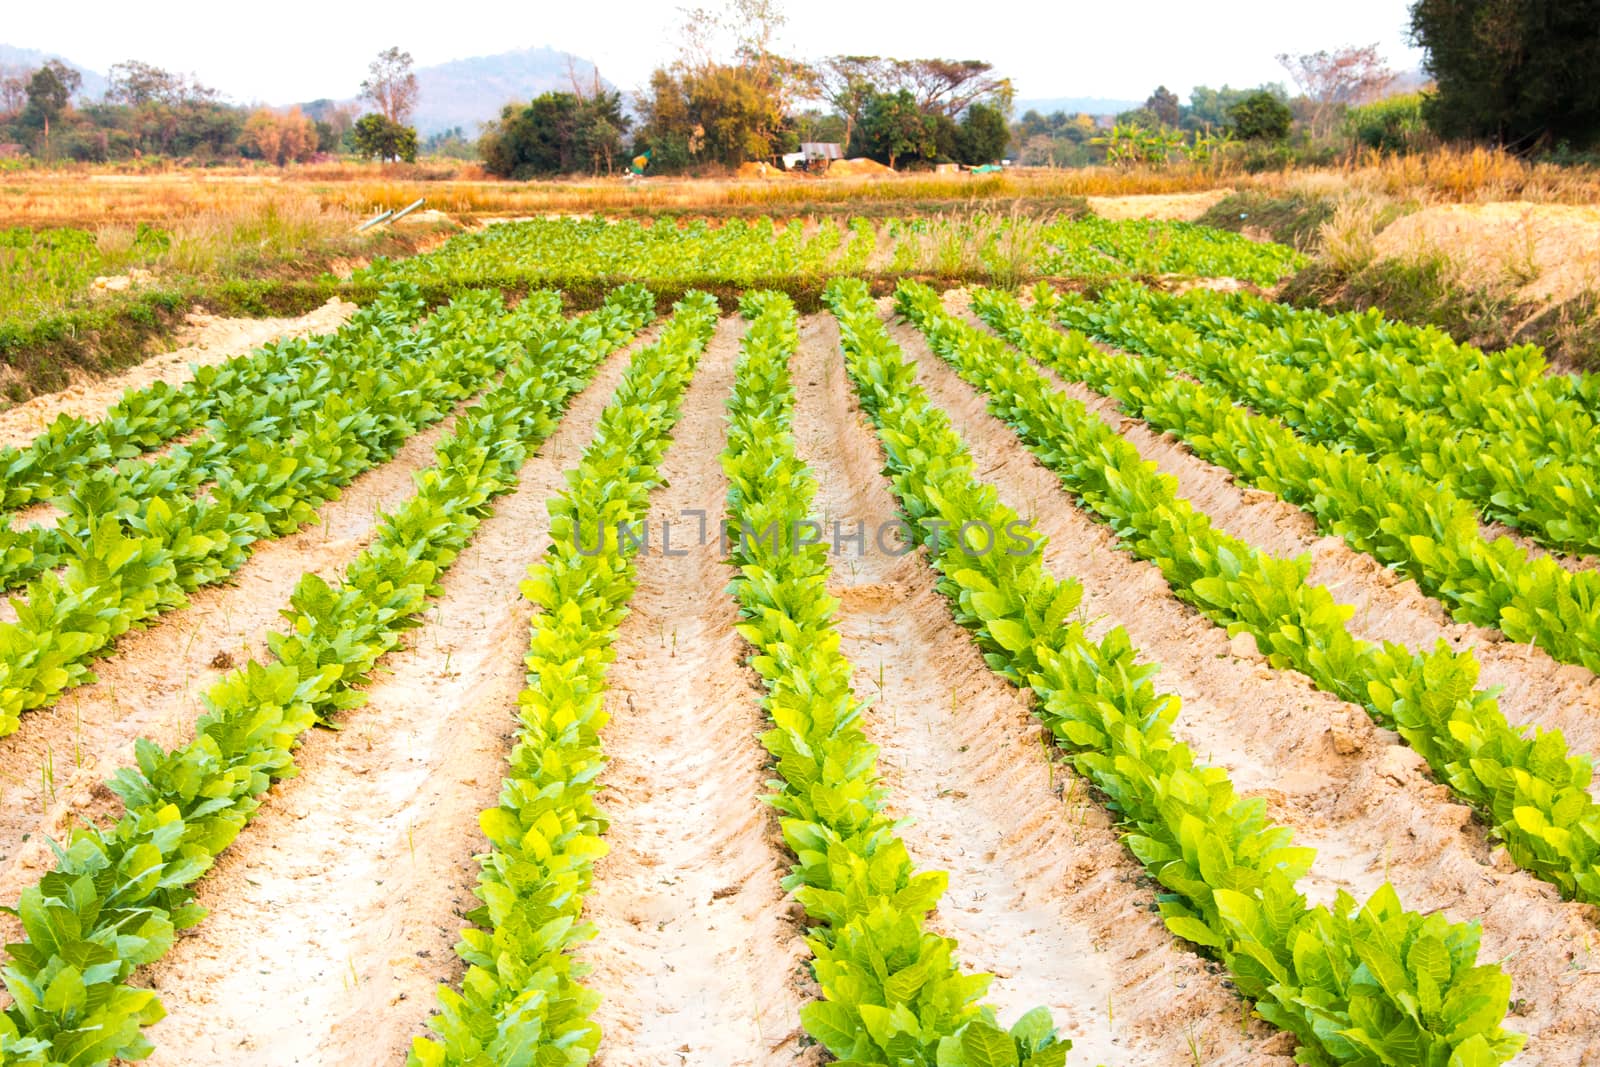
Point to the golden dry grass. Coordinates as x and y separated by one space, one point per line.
88 196
85 197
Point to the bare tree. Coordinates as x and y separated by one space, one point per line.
700 29
1345 76
391 85
13 89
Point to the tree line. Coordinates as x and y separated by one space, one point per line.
148 111
1515 73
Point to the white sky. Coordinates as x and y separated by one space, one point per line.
293 50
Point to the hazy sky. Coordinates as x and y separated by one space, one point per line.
291 50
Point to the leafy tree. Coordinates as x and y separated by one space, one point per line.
391 85
334 120
894 127
555 133
1141 117
1261 116
449 144
145 111
739 118
984 135
1163 104
1209 107
50 92
1517 72
375 136
706 109
1057 139
945 87
137 84
813 125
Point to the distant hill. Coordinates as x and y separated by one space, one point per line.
94 83
1072 105
466 92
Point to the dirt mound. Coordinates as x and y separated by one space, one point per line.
759 169
1180 207
1548 253
425 217
857 168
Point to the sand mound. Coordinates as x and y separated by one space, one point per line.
857 168
1547 252
759 169
1180 207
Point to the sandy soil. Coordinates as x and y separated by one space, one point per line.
354 877
1042 894
1181 207
1535 688
1346 788
699 957
151 684
1546 252
206 340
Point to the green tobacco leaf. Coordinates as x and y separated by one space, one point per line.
1009 635
984 1045
1192 929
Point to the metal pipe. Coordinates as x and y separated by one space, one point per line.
374 220
408 209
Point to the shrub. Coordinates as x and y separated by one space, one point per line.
1261 116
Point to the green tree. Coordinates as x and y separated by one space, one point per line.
939 87
708 108
1208 107
377 137
136 84
555 133
893 127
447 144
1163 104
984 135
1261 116
50 92
1141 117
1520 73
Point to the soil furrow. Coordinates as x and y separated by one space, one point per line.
151 683
1534 687
1347 788
209 340
342 901
1042 894
699 957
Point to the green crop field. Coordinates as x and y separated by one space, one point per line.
979 639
